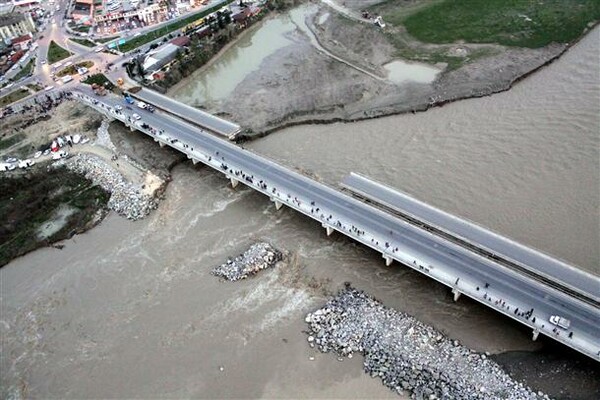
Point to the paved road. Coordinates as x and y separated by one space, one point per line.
539 263
478 277
188 113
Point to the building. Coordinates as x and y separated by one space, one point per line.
160 57
13 25
22 42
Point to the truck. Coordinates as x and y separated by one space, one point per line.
67 78
128 99
560 321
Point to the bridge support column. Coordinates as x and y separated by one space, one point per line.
131 128
388 260
456 294
278 204
194 161
536 333
161 144
328 229
234 182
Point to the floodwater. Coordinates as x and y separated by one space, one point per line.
524 163
401 71
219 80
129 309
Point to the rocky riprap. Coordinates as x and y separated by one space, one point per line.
126 198
406 354
258 257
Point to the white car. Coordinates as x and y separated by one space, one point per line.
136 117
43 62
118 107
76 138
48 88
60 154
141 105
99 49
37 154
46 152
26 163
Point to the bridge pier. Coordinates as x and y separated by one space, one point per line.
388 260
234 182
328 229
456 294
278 204
161 144
194 161
131 128
536 333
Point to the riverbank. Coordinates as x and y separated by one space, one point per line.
342 69
73 194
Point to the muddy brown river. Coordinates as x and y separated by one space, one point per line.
130 310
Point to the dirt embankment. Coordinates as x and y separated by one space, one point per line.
300 84
116 169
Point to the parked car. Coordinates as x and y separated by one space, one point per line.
118 108
136 117
37 154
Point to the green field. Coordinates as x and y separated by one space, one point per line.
155 34
57 53
14 96
99 79
83 42
29 202
108 39
10 141
520 23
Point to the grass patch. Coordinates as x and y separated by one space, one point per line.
35 87
57 53
520 23
28 202
72 69
13 96
99 79
26 70
157 33
104 40
10 141
81 28
83 42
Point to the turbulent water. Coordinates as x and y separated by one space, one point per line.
131 310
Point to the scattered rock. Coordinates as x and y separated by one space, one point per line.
127 199
258 257
407 354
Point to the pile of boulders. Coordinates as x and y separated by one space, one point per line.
406 354
126 198
258 257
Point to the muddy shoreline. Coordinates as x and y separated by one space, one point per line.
299 85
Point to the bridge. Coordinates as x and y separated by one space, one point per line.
501 274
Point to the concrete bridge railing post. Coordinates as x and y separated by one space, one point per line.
278 204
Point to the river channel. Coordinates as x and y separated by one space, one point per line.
129 309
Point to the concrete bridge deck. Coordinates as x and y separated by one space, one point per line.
190 114
515 295
512 254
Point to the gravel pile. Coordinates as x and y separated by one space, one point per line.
126 198
406 354
258 257
103 137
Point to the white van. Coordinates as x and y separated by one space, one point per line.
67 78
